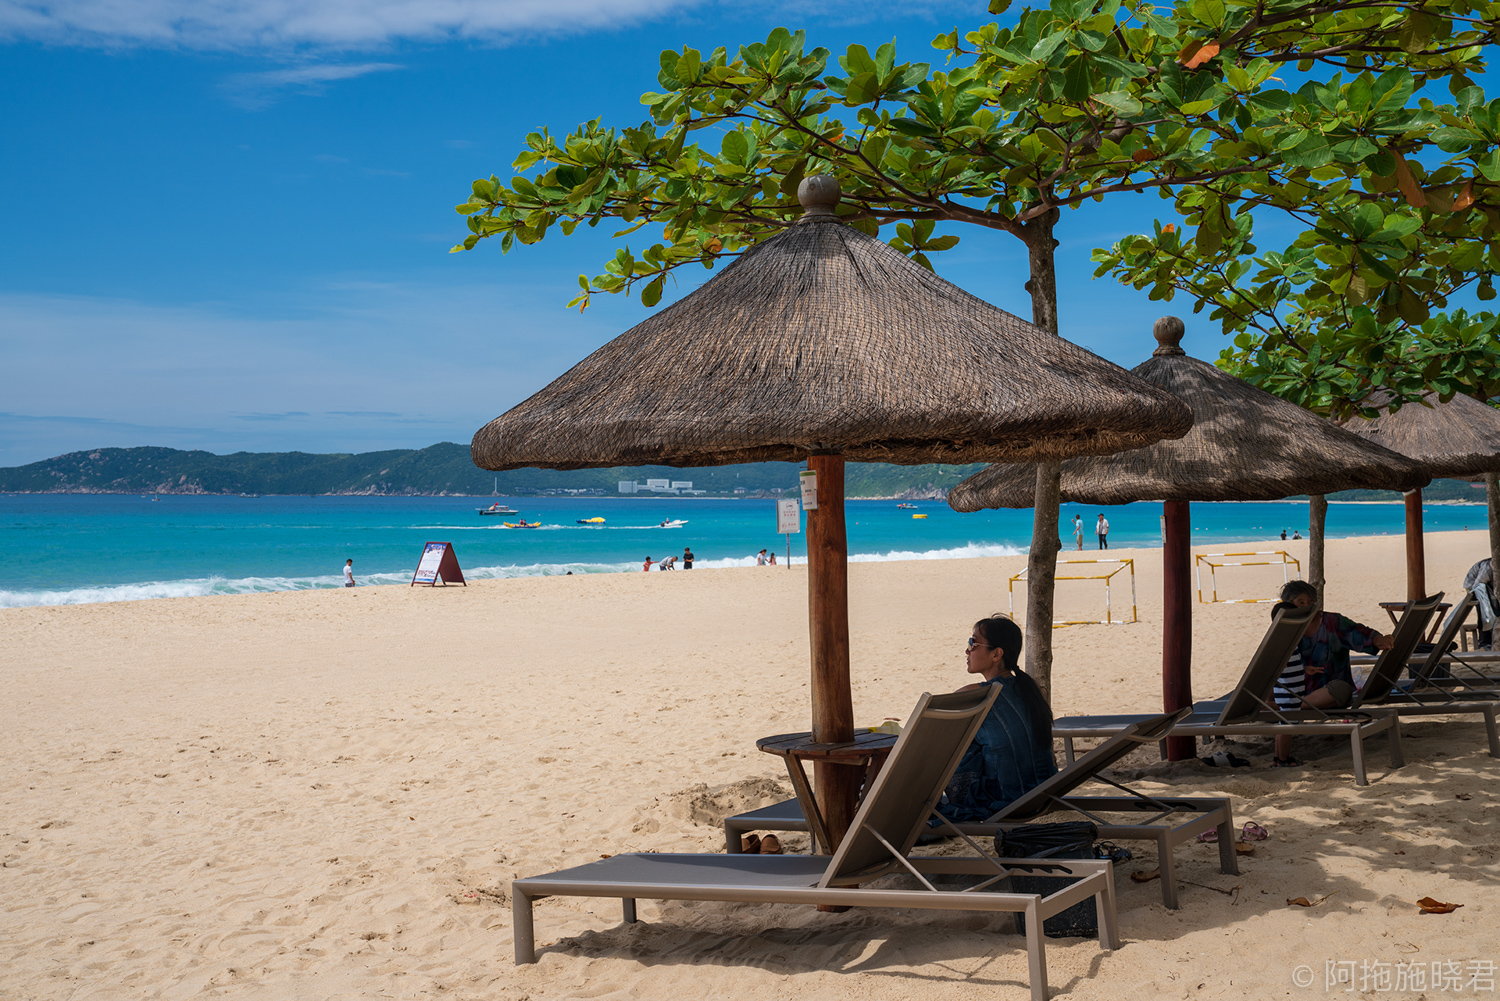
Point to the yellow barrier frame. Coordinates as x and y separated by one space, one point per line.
1287 559
1108 620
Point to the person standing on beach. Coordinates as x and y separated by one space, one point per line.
647 564
1078 531
687 558
348 573
760 558
1101 528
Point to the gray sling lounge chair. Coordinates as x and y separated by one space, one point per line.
1439 668
1184 819
1382 692
1246 711
889 820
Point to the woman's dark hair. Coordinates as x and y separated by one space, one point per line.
1001 631
1294 589
1003 634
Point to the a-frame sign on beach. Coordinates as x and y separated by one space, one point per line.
439 562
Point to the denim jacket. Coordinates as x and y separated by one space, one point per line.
1007 759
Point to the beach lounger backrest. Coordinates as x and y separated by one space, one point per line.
1270 657
1451 626
1041 799
1404 639
903 793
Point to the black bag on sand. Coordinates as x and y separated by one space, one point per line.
1073 839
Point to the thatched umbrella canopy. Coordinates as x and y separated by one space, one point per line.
1245 444
825 344
1460 438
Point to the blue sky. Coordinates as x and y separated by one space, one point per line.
227 223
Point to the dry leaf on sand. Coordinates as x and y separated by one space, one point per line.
1431 906
1145 875
1240 848
1304 902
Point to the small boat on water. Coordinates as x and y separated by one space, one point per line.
523 523
905 505
674 523
591 521
498 508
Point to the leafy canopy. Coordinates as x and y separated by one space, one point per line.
1073 103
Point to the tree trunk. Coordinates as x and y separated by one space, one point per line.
1041 564
1317 514
836 786
1416 554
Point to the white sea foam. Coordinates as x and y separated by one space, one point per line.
201 586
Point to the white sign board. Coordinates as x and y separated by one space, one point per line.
432 559
809 480
788 517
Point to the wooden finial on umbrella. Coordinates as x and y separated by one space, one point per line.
1168 332
819 195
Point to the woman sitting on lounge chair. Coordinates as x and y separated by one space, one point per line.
1012 752
1322 660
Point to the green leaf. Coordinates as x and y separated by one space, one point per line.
1120 102
651 294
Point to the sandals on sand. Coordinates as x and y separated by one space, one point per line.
1286 762
754 844
1250 832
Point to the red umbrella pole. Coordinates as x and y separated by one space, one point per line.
1177 621
837 786
1416 556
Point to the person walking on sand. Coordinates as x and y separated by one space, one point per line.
1078 531
1101 529
348 573
687 558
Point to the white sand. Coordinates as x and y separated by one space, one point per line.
293 794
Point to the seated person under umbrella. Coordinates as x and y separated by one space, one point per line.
1012 752
1321 660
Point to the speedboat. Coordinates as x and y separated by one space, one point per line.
674 523
498 508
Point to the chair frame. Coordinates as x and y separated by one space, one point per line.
863 855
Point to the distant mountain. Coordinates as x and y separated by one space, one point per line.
446 469
442 469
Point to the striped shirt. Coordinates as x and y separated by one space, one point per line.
1291 685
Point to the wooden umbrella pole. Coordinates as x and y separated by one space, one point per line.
1492 493
1317 517
1177 621
837 786
1416 557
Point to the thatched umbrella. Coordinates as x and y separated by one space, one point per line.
1460 438
825 344
1245 445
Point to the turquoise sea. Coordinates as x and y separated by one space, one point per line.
69 549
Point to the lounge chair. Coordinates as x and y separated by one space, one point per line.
1056 794
879 842
1440 668
1383 693
1246 710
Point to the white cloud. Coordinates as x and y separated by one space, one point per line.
282 24
257 90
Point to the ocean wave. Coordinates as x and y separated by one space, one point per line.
204 586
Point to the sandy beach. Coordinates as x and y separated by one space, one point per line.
325 794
